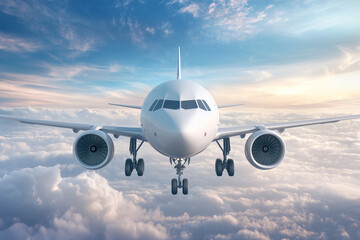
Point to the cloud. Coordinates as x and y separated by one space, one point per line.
166 28
53 24
151 30
212 8
95 210
119 4
235 19
17 45
68 72
260 75
76 42
248 234
277 17
192 9
176 1
305 85
52 85
322 84
231 21
350 59
228 20
136 32
115 67
309 18
305 197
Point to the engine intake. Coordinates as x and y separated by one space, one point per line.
265 149
93 149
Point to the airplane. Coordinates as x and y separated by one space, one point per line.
179 119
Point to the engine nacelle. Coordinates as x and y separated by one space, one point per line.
93 149
265 149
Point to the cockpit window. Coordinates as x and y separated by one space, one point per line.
175 105
159 104
153 105
206 105
189 104
201 105
171 104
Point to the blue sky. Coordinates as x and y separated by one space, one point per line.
118 50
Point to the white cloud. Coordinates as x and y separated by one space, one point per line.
260 75
231 20
312 193
350 59
150 30
330 85
276 18
136 32
69 71
95 210
192 9
51 86
17 45
115 67
166 28
212 7
176 1
56 25
76 42
119 4
269 7
248 234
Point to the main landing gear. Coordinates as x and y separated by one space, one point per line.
131 164
177 183
227 164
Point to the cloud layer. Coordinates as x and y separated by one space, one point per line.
312 194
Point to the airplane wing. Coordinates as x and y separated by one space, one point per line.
76 127
230 105
126 106
237 131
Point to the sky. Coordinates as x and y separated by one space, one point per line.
285 60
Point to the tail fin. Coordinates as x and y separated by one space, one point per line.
179 65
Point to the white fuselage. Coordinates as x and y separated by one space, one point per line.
179 124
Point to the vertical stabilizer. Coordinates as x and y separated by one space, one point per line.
179 65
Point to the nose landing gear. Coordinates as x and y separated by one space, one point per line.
131 164
227 164
177 183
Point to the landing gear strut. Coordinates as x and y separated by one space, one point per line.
131 164
177 183
227 164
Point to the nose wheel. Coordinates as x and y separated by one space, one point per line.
137 164
177 183
228 164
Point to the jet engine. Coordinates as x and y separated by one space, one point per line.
265 149
93 149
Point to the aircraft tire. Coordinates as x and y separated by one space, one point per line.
218 167
140 167
174 186
128 167
230 167
185 188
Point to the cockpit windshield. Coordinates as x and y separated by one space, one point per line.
171 104
159 104
189 104
177 105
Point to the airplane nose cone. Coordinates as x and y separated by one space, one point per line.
182 136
